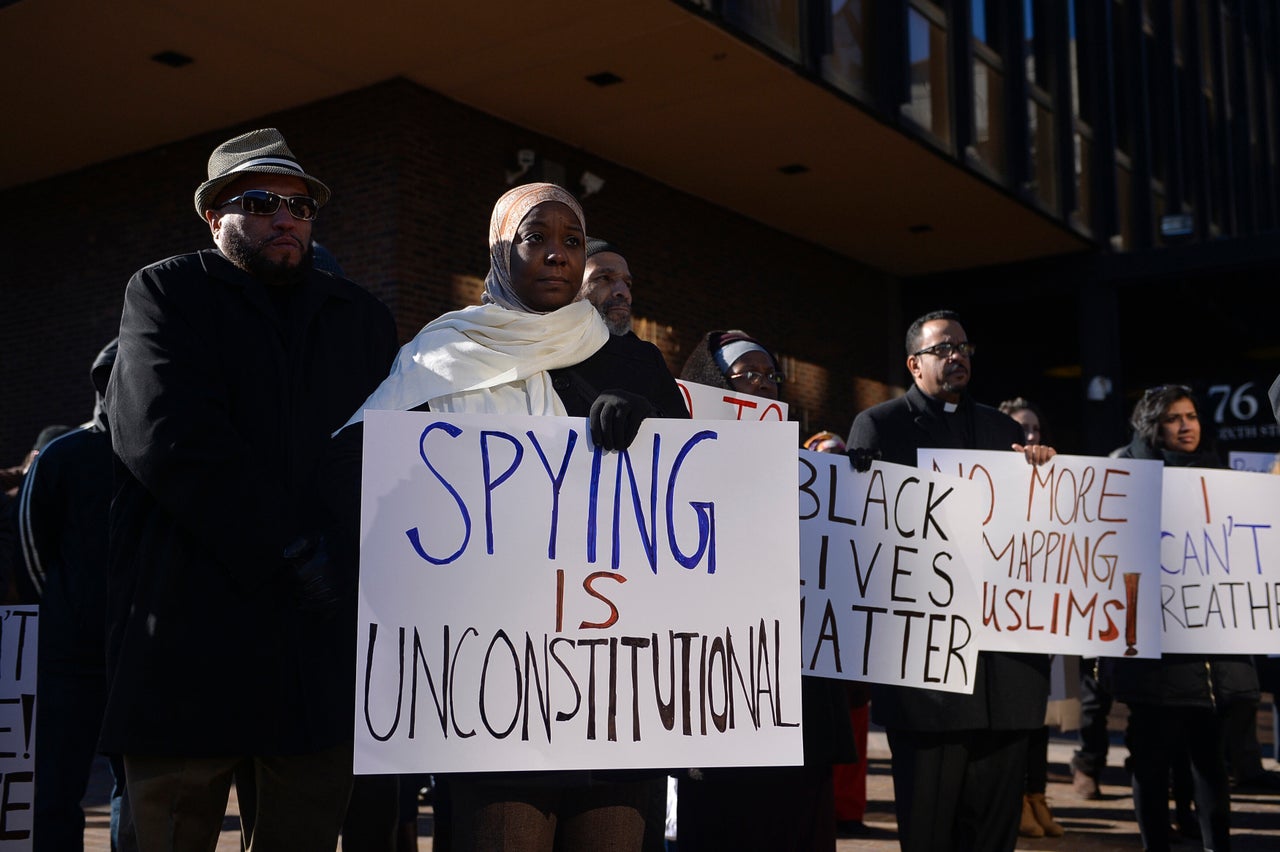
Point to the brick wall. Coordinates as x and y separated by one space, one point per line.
414 178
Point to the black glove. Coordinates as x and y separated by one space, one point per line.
317 585
862 458
615 418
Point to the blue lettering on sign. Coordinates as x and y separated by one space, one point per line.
414 537
557 480
490 484
706 513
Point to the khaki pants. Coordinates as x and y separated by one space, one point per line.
179 803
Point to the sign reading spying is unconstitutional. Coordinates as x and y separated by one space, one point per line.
887 561
528 601
1070 551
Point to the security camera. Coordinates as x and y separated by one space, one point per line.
525 159
591 184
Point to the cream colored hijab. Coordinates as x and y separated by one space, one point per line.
493 358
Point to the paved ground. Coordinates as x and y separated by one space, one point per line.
1091 825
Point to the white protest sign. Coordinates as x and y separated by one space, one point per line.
19 634
528 602
1247 460
887 562
1220 562
1071 551
708 403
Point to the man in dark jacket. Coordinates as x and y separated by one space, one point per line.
958 760
606 283
235 366
62 527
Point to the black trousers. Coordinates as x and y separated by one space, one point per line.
959 790
1095 706
1155 737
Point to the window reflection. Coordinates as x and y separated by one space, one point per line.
928 103
773 22
848 36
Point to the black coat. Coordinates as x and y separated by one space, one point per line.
221 406
1010 690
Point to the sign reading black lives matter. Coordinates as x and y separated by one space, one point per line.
528 601
19 629
887 562
1070 551
1220 562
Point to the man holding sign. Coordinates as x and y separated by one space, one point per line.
958 760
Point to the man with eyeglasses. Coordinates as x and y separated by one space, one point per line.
231 635
959 761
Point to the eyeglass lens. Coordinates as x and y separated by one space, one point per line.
259 202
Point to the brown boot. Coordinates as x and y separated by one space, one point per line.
1029 826
1040 812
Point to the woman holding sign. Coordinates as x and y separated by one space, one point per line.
530 348
790 807
1179 703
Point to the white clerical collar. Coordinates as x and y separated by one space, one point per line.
950 407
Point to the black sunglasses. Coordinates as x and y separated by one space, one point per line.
260 202
946 350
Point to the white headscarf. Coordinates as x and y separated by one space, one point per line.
493 358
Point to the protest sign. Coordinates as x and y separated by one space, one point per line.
887 563
1220 562
1246 460
528 601
1071 551
708 403
19 633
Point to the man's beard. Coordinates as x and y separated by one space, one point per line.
617 327
250 258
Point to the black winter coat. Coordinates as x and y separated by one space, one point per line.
221 407
1011 690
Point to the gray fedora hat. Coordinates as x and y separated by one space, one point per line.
256 152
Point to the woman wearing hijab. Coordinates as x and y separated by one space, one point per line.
775 807
531 349
1179 703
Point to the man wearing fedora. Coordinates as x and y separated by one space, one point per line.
231 636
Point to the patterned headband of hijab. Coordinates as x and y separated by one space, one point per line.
508 213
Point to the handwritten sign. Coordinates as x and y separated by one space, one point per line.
708 403
19 633
887 562
1246 460
528 601
1220 562
1070 551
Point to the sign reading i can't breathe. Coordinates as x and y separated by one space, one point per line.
529 601
887 560
1070 551
1220 562
19 633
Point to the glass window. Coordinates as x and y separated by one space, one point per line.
1043 158
988 115
845 60
772 22
989 46
928 101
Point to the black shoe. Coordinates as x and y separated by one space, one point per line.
852 828
1266 781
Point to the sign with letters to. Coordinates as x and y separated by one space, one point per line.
1071 561
887 564
530 602
1220 562
19 635
708 403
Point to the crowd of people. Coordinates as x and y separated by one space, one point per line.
193 548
